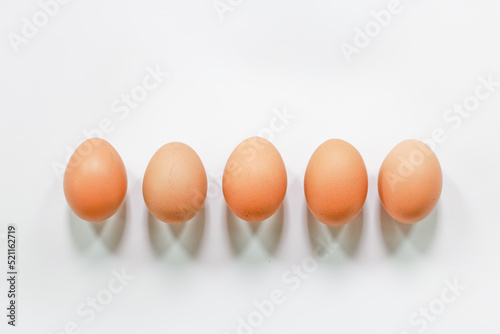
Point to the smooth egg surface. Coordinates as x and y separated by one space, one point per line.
410 181
254 181
335 182
175 183
95 181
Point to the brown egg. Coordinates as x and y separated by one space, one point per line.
95 181
410 181
254 181
175 183
336 182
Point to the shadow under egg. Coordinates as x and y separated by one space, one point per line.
338 242
408 241
263 236
108 233
164 237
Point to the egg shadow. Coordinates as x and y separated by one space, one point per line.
410 241
341 242
108 233
265 235
165 237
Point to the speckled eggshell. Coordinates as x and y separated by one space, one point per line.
410 181
335 182
175 183
254 181
95 180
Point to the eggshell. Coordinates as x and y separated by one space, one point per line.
175 183
95 181
410 181
254 181
335 182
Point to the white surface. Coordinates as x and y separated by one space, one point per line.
226 78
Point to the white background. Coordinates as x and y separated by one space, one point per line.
226 78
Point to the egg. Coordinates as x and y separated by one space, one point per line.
95 180
175 183
335 182
254 181
410 181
